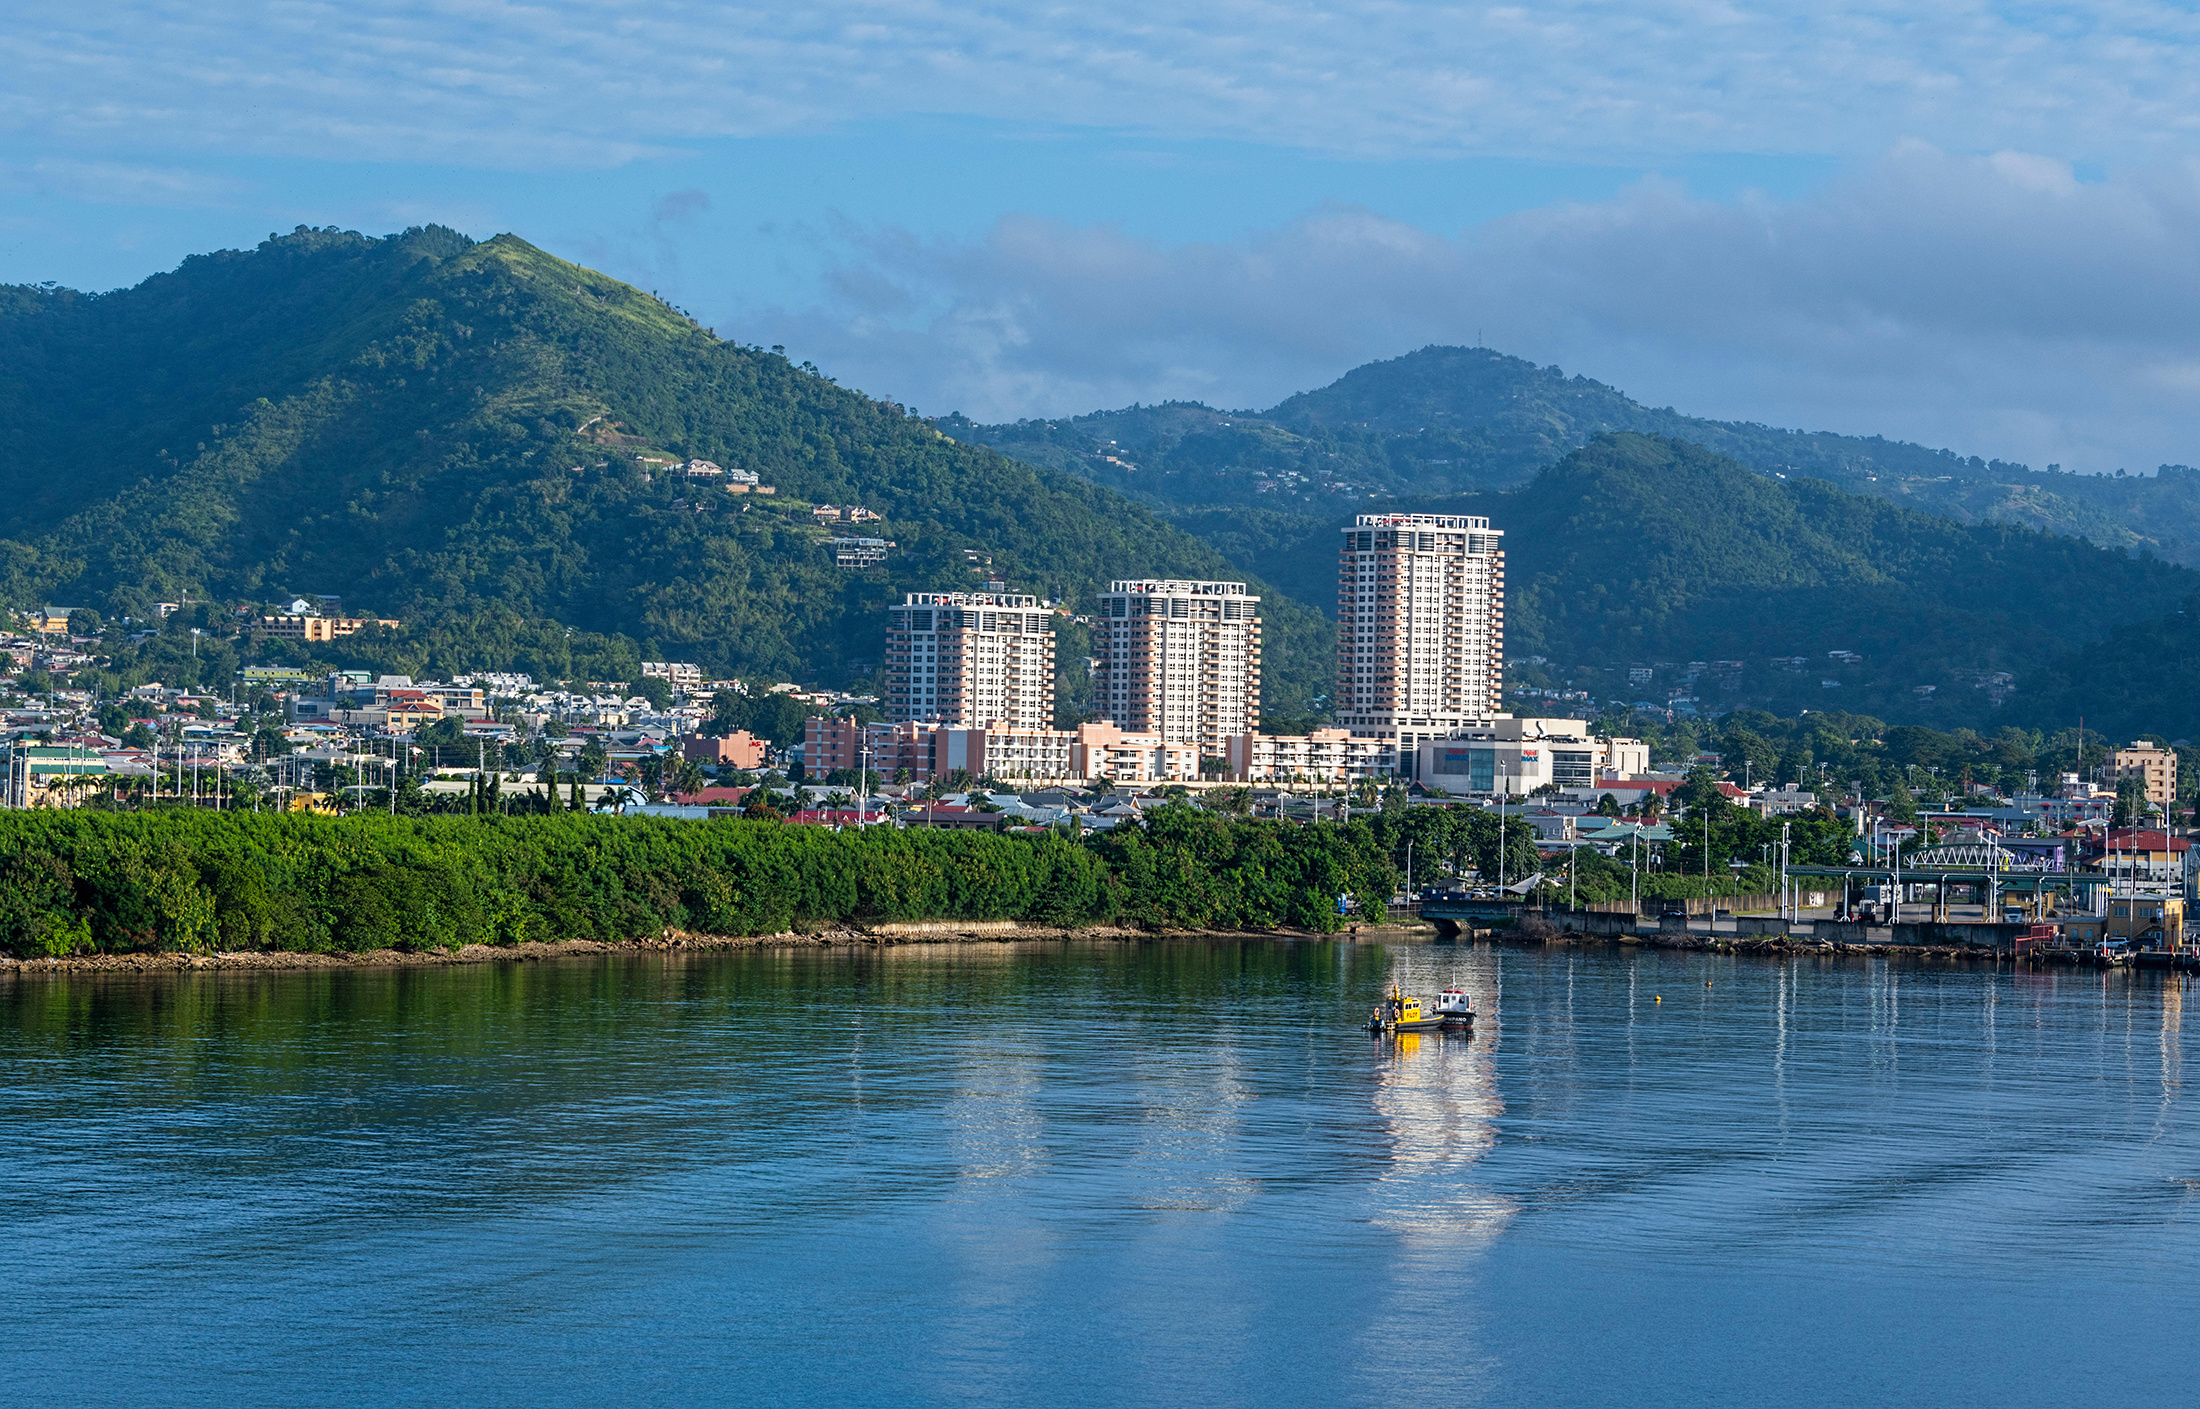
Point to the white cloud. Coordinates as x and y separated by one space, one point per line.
1993 304
565 83
116 183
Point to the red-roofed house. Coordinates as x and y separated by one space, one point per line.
1629 791
2140 857
714 797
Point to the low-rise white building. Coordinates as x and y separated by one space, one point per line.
1519 755
1104 752
1327 756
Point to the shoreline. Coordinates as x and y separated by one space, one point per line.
538 951
935 932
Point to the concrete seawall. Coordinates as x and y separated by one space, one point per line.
1918 935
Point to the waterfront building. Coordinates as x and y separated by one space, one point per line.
1420 627
971 659
1181 660
2147 921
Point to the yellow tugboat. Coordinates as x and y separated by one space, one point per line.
1398 1013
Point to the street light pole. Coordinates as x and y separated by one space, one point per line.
1786 910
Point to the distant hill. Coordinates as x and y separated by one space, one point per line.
2142 678
1447 420
1645 554
477 438
1777 543
461 435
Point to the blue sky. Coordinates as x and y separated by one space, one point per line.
1968 224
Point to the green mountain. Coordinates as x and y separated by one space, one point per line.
1448 420
1944 573
1638 552
478 439
1641 568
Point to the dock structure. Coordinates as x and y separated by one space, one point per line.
2028 942
1987 884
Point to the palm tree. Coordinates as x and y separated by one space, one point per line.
687 777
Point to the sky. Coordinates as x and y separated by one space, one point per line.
1972 225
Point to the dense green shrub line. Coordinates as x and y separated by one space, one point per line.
77 882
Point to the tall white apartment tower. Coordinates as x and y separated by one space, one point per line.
1420 625
970 659
1180 659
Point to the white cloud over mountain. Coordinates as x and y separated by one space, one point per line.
1993 304
1960 285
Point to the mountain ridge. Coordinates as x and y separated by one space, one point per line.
402 422
476 437
1446 420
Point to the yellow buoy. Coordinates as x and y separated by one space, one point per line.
1657 998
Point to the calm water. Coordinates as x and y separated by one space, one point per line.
1152 1174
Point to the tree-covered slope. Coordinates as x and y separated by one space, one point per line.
1640 548
1457 419
1652 554
2142 678
453 433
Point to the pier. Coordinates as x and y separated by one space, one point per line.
1456 919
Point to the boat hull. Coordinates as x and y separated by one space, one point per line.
1414 1025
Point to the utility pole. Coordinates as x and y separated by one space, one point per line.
1785 907
863 778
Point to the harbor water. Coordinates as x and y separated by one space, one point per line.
1101 1174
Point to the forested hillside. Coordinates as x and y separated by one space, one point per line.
1638 550
1639 553
1448 420
478 439
462 435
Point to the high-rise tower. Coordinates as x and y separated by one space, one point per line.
1180 659
1420 625
970 659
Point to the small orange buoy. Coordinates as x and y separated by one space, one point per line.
1658 998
